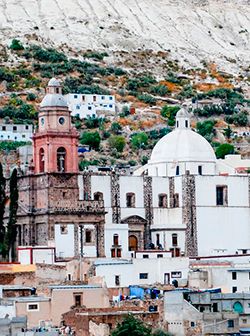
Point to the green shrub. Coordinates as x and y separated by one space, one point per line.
170 112
160 90
239 119
224 150
206 129
117 142
115 127
31 96
147 99
92 139
16 45
139 140
47 55
12 145
95 55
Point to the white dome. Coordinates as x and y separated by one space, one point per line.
54 82
182 145
53 99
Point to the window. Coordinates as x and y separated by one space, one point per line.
177 170
78 107
110 105
57 90
103 97
186 123
130 200
177 123
64 229
176 201
192 324
116 252
61 159
143 276
234 289
176 275
41 160
69 277
3 128
32 306
14 128
215 307
116 239
117 280
75 96
159 255
98 196
221 195
249 275
200 170
110 98
78 300
157 239
83 98
94 98
23 136
26 127
244 321
145 256
174 239
88 236
89 108
230 323
234 275
162 199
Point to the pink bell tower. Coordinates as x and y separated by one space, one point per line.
55 143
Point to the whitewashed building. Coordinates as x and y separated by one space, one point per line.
90 104
16 132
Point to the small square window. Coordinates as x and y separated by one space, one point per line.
64 229
89 108
23 135
75 96
32 306
143 276
230 323
14 128
26 127
103 97
192 324
110 105
234 289
145 256
159 255
110 98
3 128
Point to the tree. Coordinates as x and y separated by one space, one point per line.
170 112
228 132
131 326
139 140
10 236
206 129
118 142
92 139
223 150
2 207
116 127
160 332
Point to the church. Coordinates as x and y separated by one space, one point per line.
184 200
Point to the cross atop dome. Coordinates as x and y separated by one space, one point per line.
183 118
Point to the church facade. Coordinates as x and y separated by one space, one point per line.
183 201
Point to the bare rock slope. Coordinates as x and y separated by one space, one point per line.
192 30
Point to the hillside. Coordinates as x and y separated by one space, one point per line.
190 30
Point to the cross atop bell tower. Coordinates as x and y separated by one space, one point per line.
56 140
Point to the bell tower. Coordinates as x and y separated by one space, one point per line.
56 141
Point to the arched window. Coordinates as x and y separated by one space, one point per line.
61 159
41 160
115 239
163 201
238 308
133 243
130 200
98 196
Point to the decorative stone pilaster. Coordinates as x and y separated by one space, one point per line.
77 240
100 240
86 186
115 198
171 192
189 214
148 205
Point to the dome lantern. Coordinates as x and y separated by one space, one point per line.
182 118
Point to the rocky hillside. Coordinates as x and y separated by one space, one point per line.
189 30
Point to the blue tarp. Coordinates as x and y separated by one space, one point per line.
136 291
